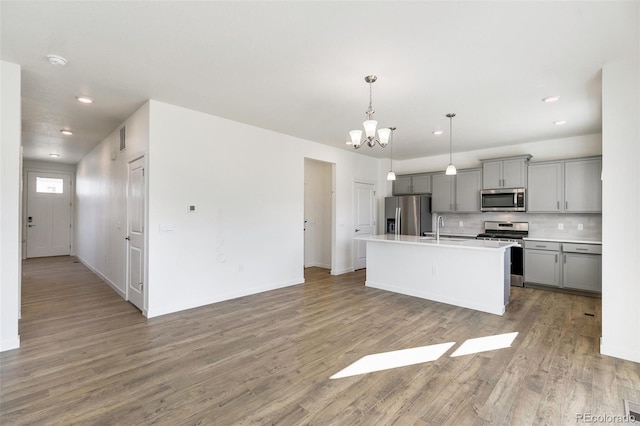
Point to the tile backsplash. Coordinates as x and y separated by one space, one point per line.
540 224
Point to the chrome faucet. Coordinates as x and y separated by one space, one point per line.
439 222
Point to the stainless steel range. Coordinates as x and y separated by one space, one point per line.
514 232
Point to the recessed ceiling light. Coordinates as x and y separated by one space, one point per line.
57 60
66 132
560 123
54 155
550 99
84 99
437 132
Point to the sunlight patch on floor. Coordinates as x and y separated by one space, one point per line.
484 344
394 359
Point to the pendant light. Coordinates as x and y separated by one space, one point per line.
451 169
391 175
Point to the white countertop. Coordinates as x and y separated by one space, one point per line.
563 240
444 242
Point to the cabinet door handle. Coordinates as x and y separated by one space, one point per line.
556 258
538 246
565 258
582 249
566 205
557 205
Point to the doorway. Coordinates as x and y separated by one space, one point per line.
48 215
364 209
318 213
136 197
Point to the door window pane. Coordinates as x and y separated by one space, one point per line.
49 185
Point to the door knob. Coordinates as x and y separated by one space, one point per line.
357 230
127 238
30 226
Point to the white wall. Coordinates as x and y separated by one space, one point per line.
100 203
247 184
621 208
10 161
317 213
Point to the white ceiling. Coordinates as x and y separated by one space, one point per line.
298 67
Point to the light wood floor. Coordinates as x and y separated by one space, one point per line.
89 358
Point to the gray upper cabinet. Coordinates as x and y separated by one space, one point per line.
459 193
505 173
468 186
571 186
412 184
443 193
544 194
402 185
491 174
583 186
421 184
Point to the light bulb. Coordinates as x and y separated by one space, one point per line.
370 128
451 170
383 135
391 175
355 137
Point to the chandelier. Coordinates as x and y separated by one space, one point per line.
370 126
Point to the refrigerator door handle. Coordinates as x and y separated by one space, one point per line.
395 228
399 221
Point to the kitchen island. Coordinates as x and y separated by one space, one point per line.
470 273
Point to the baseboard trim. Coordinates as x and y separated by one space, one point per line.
102 277
7 345
341 271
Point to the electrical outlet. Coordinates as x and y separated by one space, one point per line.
561 226
434 271
461 224
580 227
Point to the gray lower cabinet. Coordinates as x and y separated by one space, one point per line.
542 263
565 265
582 267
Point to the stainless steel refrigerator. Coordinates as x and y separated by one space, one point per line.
408 214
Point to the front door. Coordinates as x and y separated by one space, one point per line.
364 220
135 234
48 217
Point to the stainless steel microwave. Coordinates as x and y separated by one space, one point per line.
503 200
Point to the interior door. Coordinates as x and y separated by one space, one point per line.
135 235
48 217
364 220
